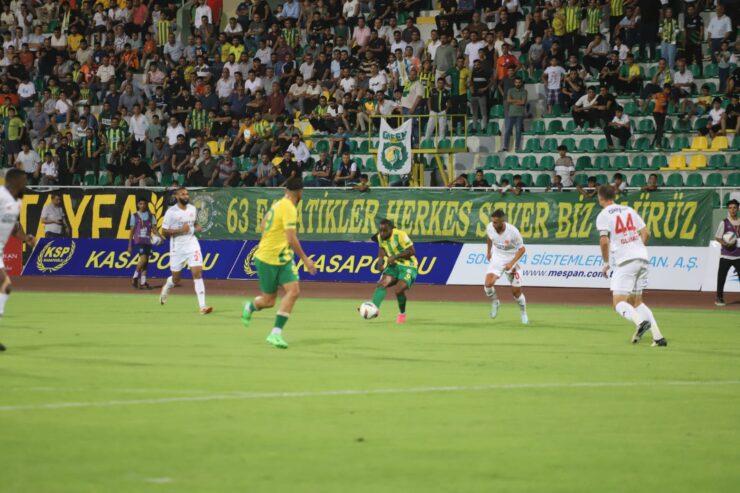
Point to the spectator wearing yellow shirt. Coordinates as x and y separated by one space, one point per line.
73 39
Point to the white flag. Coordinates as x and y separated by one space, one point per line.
394 149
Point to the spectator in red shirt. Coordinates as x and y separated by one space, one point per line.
505 61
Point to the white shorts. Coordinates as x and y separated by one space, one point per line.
191 257
630 277
498 269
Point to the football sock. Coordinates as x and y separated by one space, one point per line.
647 314
401 303
3 300
378 296
280 320
252 306
491 293
522 301
200 291
136 274
169 284
628 312
143 278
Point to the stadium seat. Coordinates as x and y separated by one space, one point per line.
493 128
511 162
444 144
674 180
719 143
490 178
638 181
104 180
555 112
570 144
711 71
459 144
90 180
646 127
322 146
570 128
370 165
550 145
529 162
639 162
586 145
543 180
716 200
717 161
375 181
679 143
537 128
698 161
118 180
180 179
547 163
497 111
659 161
527 179
76 179
733 180
668 127
602 145
621 162
580 180
631 109
532 145
681 126
583 163
642 144
694 180
699 124
602 163
506 176
735 161
736 142
555 127
678 161
492 162
602 179
166 180
364 147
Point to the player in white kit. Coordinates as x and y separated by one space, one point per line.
505 248
623 239
180 225
10 209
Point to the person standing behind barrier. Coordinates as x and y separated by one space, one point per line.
52 215
730 256
459 80
142 224
480 84
516 98
438 105
413 93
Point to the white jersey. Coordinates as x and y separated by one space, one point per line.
622 224
10 209
176 218
506 244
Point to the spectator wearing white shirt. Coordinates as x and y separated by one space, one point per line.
378 80
49 171
553 78
233 27
225 85
138 125
471 50
29 161
203 10
564 167
585 109
683 80
26 92
619 127
307 67
718 30
717 120
174 129
299 150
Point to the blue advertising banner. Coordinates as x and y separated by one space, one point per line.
347 261
336 261
109 258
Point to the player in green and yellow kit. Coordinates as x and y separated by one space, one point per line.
401 267
275 264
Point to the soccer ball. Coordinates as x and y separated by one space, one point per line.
730 238
156 240
368 310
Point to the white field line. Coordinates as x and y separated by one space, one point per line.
349 392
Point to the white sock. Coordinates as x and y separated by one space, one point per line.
3 300
647 313
143 278
628 312
522 302
200 291
490 292
136 274
276 330
169 284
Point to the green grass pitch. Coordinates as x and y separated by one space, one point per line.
114 393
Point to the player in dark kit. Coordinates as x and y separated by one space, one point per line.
143 224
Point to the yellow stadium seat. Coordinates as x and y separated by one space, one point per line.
719 143
678 161
698 161
699 143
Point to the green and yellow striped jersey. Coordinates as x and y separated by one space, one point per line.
396 244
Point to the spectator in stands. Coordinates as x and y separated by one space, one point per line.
347 173
15 132
299 151
723 57
717 123
53 217
591 188
438 106
652 183
49 174
535 55
138 173
572 89
630 76
30 162
585 110
517 187
321 175
607 106
628 31
480 181
693 36
461 182
718 30
564 167
505 186
660 110
556 185
619 184
363 185
733 114
683 81
669 31
701 106
552 77
619 127
661 77
481 81
516 98
227 172
596 53
609 75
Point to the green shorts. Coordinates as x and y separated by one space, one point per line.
402 273
271 277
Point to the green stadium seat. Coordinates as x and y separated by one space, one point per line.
492 162
668 127
166 179
497 111
427 144
493 128
641 145
736 143
104 180
547 163
76 179
459 144
537 128
354 146
570 144
583 163
694 180
370 165
570 128
602 179
180 180
543 180
506 176
580 180
550 145
711 71
375 180
717 161
659 161
621 162
714 180
638 181
649 108
364 147
511 162
586 145
555 127
733 180
602 163
716 200
444 144
674 180
639 162
529 162
90 180
646 127
735 161
632 109
527 179
602 145
532 145
699 124
555 112
681 126
695 70
118 181
680 143
490 178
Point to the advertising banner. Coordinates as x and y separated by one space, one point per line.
675 268
356 261
394 148
673 218
13 257
109 258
